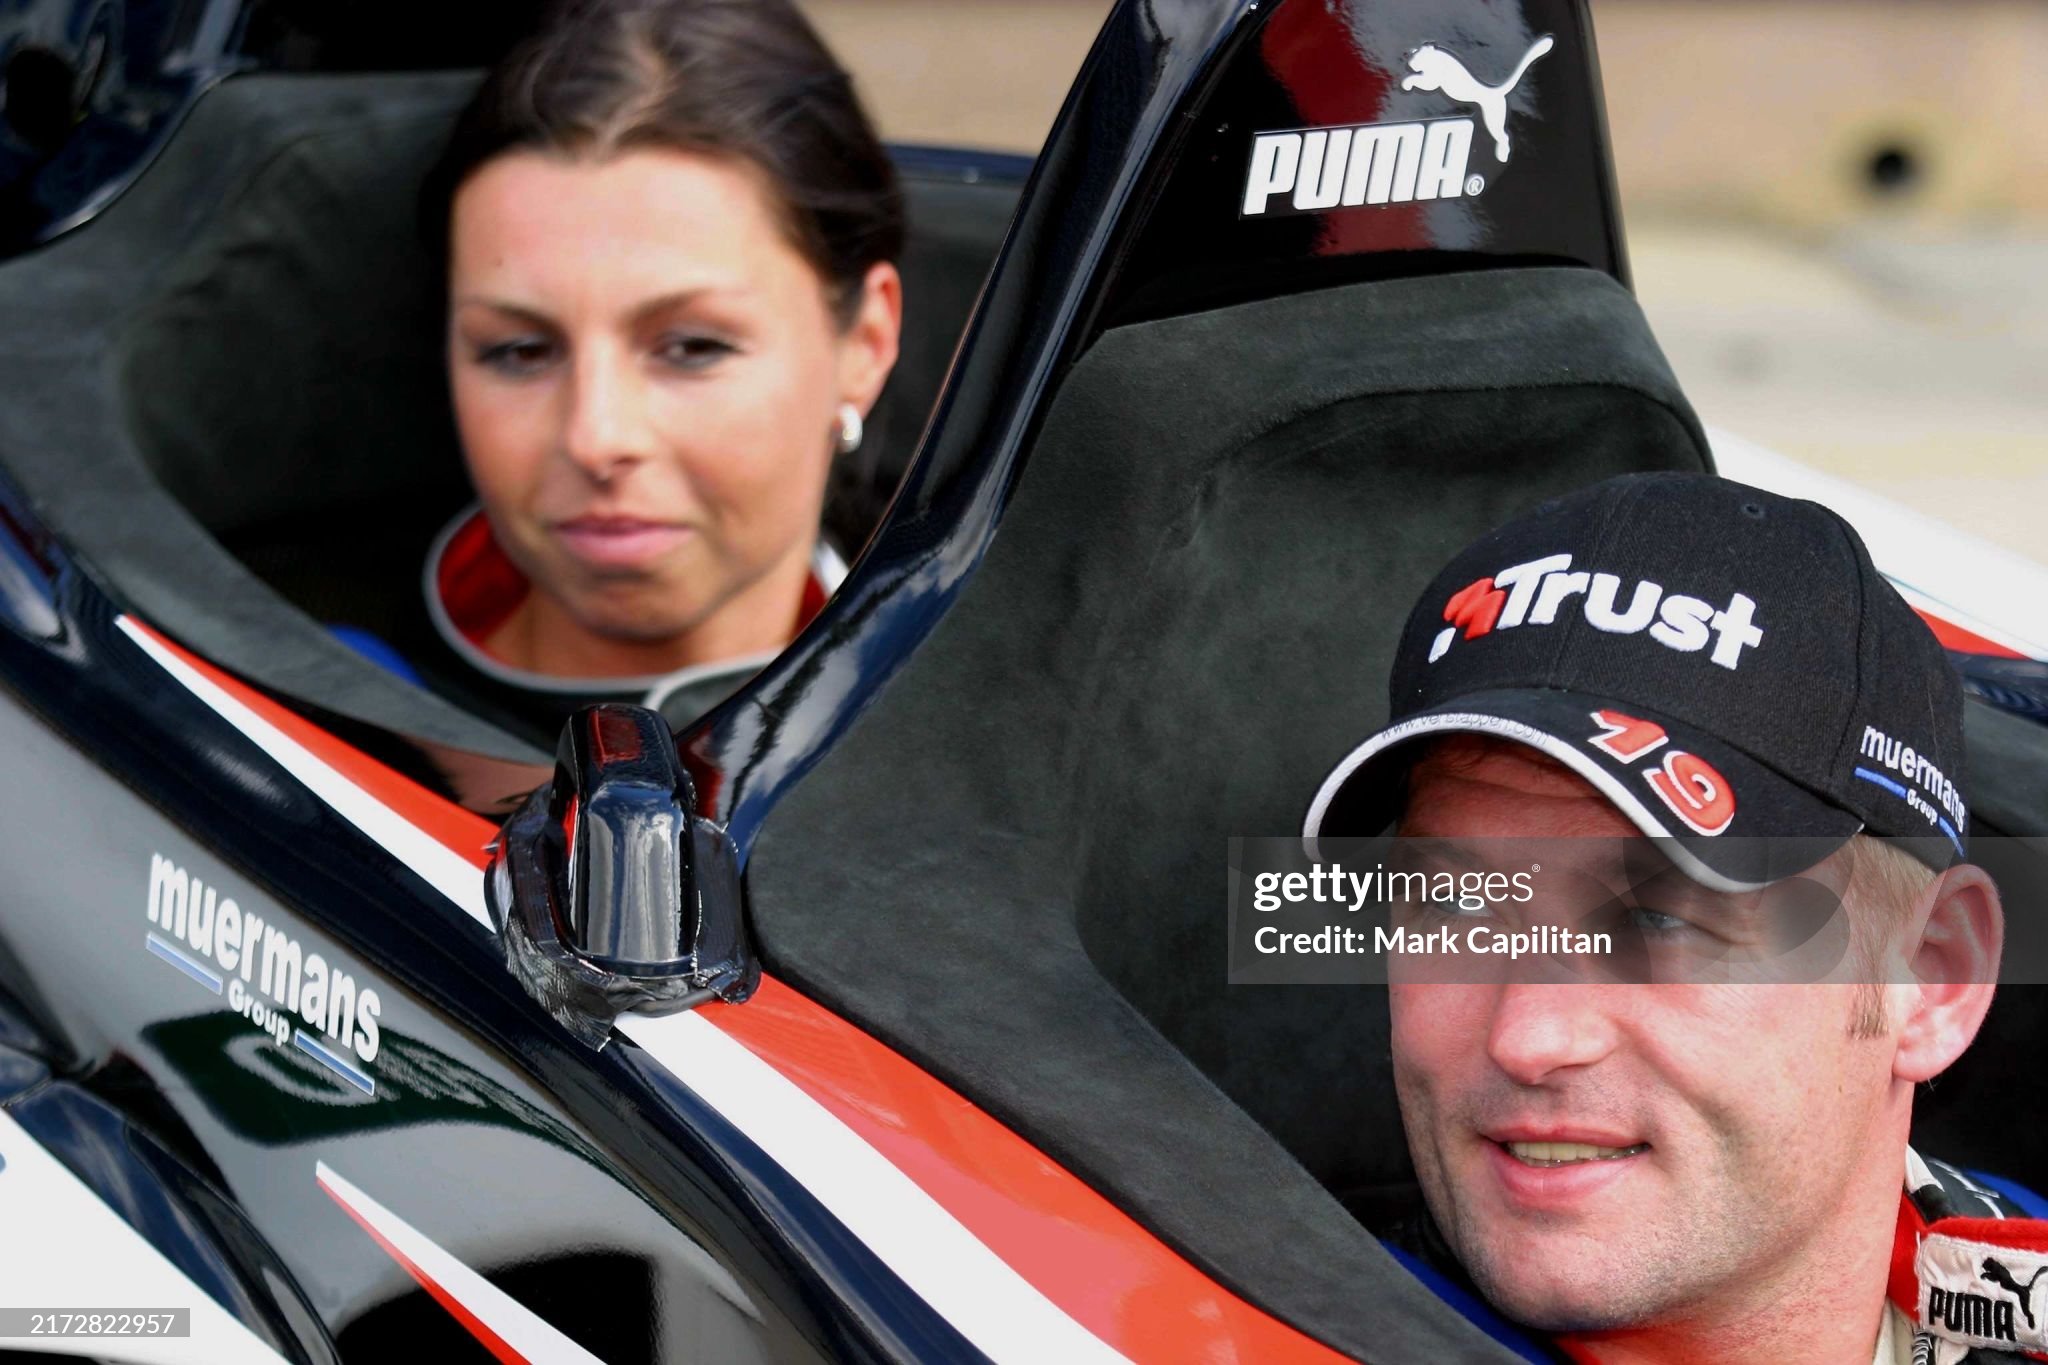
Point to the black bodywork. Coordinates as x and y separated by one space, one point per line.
979 803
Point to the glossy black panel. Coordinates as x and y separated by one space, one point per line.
182 1214
91 91
1367 83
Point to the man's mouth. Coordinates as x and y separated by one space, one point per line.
1548 1154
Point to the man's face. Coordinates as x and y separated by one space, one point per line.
1730 1120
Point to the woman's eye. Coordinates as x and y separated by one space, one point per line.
520 356
691 352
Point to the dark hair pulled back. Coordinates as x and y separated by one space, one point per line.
747 80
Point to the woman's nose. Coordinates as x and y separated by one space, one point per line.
1540 1028
607 428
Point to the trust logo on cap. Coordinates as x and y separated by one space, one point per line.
1533 593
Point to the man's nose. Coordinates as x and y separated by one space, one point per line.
607 428
1541 1028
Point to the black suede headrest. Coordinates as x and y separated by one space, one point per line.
292 360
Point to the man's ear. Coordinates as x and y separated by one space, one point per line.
868 346
1953 968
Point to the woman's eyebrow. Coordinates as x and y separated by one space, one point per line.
641 312
503 306
681 298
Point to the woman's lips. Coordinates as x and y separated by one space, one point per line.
619 542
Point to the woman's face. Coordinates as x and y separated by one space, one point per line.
647 378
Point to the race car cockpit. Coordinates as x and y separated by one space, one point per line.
298 254
1275 329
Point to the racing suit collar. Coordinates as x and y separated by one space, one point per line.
1969 1269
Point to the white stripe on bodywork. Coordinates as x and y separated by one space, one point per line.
519 1327
62 1247
447 871
1001 1312
1978 586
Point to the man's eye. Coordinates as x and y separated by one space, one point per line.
684 352
520 356
1454 909
1656 922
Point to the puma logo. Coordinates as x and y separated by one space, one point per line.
1435 69
1995 1273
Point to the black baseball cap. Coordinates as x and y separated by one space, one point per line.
1720 662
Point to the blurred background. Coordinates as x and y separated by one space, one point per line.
1837 210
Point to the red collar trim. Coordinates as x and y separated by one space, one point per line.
812 602
1903 1289
479 587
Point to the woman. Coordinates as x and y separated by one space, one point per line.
672 300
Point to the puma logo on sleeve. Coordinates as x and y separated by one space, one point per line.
1994 1273
1435 69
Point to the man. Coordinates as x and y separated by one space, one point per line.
1701 1169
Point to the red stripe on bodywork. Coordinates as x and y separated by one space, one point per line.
1082 1252
466 832
1953 636
472 1324
1108 1273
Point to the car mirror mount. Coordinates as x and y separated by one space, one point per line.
610 892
